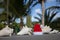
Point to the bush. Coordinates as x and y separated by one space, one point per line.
1 26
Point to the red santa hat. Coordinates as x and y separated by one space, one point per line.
37 29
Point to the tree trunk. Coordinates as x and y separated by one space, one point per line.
43 11
21 23
8 12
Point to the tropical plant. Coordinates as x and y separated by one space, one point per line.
15 26
28 21
40 19
2 25
56 24
49 15
1 3
8 16
42 2
4 17
18 8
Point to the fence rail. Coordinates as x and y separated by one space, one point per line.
33 37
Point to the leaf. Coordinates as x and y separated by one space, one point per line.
39 15
53 7
36 18
52 16
35 4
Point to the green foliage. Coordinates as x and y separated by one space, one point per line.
6 17
50 13
1 4
15 26
40 19
56 24
28 21
3 16
2 26
18 8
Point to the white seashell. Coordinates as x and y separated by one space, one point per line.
6 31
54 31
46 29
25 30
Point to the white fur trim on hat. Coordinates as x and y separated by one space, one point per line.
37 33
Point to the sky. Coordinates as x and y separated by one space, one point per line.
37 9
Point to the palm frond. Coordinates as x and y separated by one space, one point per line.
46 16
39 15
53 7
35 4
52 16
37 18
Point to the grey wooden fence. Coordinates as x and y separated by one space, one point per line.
33 37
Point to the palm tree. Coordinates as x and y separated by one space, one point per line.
20 9
42 2
49 14
43 11
7 11
9 15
